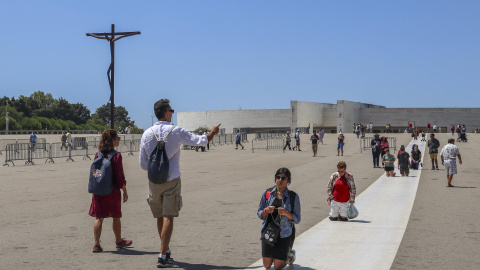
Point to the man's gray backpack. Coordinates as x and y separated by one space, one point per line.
158 163
100 181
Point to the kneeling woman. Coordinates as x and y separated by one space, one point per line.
341 191
284 204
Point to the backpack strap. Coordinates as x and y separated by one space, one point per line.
158 140
292 196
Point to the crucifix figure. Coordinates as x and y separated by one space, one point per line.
111 37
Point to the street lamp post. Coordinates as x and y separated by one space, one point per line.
6 118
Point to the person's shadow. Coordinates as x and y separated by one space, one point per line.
131 252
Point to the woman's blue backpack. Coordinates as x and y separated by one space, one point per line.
100 181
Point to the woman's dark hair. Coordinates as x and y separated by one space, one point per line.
286 172
106 141
161 107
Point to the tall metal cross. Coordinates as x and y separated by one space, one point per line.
111 37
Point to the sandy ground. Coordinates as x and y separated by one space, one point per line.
45 224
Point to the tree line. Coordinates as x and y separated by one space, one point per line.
41 111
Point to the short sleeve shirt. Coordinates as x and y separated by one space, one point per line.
433 146
450 151
314 139
33 138
403 160
388 158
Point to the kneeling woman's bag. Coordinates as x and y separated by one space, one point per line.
352 212
271 232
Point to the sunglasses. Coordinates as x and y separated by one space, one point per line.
172 111
281 177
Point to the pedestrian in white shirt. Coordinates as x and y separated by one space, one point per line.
449 156
165 199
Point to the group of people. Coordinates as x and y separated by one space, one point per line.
164 199
407 161
278 206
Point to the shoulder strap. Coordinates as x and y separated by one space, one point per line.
158 140
268 192
113 153
293 196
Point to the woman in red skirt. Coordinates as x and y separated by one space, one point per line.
110 205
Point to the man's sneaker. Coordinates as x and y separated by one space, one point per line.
164 263
291 257
242 147
169 258
97 248
124 243
333 218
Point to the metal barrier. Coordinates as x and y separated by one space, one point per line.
268 144
49 151
365 143
134 146
18 151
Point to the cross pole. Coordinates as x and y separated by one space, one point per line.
111 37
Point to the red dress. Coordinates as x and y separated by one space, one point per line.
110 205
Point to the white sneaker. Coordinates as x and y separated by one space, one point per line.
291 257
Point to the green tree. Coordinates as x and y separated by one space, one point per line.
71 125
120 115
12 123
28 123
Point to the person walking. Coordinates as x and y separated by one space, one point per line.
297 140
388 160
428 127
403 161
341 142
69 139
322 134
449 156
63 139
110 205
433 145
165 199
341 192
434 128
281 205
288 139
33 140
314 138
238 138
376 145
423 137
452 129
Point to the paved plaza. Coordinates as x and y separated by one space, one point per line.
45 224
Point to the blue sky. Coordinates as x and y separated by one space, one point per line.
222 55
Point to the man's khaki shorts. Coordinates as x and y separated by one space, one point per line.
433 155
165 199
314 147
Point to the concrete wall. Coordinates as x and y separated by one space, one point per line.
349 112
274 119
442 117
311 114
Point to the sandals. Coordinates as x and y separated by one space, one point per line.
450 186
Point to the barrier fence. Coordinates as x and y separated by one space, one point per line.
50 151
365 143
268 144
225 139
